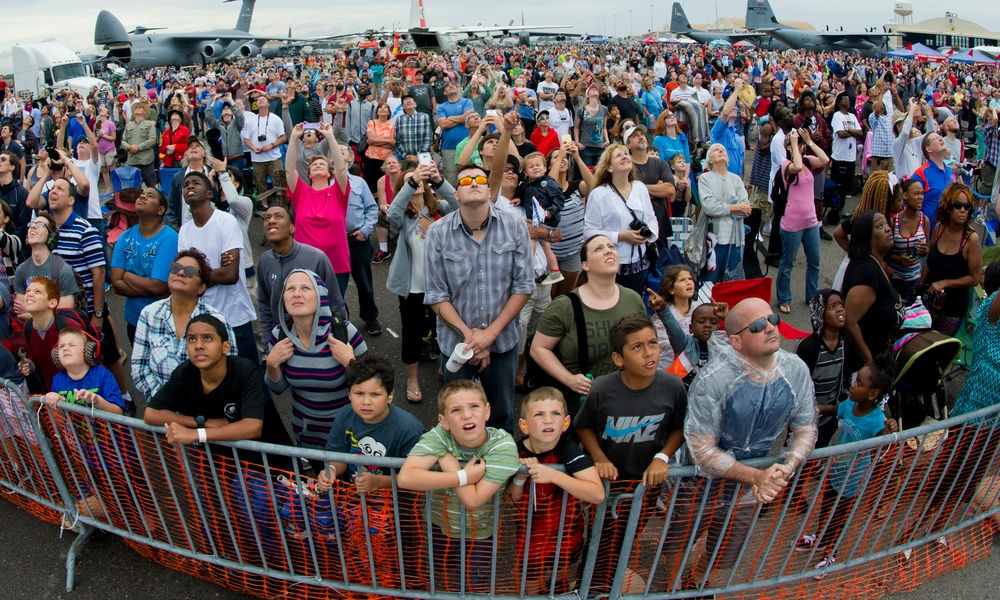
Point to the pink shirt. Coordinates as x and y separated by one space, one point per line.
105 146
321 221
801 211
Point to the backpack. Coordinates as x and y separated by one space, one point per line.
779 187
80 297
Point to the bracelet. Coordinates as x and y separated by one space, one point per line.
463 478
520 482
202 435
662 457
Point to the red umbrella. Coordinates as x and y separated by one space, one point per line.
651 40
743 44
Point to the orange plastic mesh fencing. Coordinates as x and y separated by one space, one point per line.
899 496
22 464
855 504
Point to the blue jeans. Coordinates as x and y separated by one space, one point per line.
591 155
727 258
497 380
790 240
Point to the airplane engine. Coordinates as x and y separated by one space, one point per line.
523 38
249 50
212 50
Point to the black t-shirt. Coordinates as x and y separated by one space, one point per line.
656 170
626 107
880 324
239 396
633 425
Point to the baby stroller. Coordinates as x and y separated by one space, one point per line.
919 389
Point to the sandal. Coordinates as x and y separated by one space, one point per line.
785 309
414 396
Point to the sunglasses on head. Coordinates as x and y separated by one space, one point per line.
760 324
179 269
480 179
961 205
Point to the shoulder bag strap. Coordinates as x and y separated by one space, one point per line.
583 353
624 201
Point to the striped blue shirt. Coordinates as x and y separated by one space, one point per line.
80 246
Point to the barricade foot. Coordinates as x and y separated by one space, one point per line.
85 532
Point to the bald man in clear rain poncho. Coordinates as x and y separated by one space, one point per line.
748 395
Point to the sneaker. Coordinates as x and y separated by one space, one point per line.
374 328
554 277
826 562
380 257
766 229
808 543
823 235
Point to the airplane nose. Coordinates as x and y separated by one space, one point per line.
109 30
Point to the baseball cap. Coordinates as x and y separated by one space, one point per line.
631 130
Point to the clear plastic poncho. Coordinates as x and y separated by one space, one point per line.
737 410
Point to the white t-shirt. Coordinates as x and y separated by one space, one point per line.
545 87
93 172
220 234
271 128
560 120
844 148
778 157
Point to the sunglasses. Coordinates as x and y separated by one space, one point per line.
179 269
760 324
509 170
480 179
961 205
544 118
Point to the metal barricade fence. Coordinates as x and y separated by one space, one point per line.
24 475
229 513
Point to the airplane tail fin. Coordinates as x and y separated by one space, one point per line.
760 16
246 14
678 20
417 19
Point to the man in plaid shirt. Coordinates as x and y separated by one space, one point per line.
882 136
413 130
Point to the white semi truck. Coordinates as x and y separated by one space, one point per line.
49 67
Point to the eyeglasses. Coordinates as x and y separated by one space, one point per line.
671 115
37 224
508 170
179 269
480 179
543 118
961 205
760 324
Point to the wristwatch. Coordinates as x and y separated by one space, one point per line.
99 314
200 421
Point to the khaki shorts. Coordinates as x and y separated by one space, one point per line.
109 159
759 199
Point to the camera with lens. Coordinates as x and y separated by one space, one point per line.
262 137
71 111
639 225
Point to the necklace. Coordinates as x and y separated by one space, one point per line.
482 227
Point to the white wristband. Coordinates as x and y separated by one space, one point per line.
463 478
662 457
202 435
520 482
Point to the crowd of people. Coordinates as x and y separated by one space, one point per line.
532 194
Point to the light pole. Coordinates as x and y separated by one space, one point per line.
630 23
615 21
652 25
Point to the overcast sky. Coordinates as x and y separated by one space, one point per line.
73 26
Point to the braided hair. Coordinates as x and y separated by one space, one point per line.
876 196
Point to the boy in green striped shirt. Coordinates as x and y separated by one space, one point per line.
490 458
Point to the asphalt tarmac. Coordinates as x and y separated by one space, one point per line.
32 554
